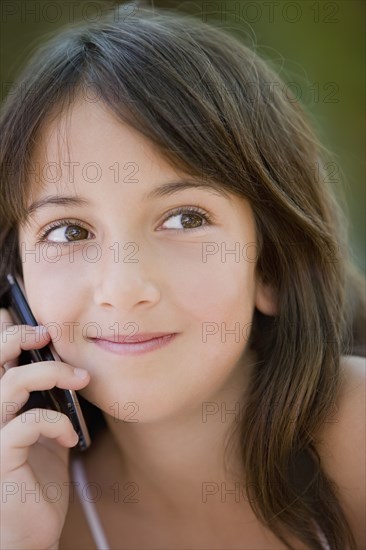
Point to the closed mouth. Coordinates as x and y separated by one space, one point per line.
134 348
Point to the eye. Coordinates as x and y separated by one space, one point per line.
71 230
190 216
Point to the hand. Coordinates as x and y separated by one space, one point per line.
34 446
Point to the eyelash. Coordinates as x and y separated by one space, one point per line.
177 212
56 225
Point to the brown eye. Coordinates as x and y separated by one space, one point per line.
193 220
74 232
189 218
64 232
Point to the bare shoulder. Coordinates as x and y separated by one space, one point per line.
342 445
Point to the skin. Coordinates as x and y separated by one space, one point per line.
155 401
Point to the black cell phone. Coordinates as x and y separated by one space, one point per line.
58 399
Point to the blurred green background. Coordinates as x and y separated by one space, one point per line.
318 48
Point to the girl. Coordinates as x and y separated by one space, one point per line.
159 200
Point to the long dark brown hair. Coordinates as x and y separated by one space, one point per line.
202 98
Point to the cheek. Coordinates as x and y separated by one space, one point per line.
54 291
215 291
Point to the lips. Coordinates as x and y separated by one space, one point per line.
133 338
142 343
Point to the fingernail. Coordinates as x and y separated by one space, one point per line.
80 373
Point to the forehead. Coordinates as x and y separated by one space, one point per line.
85 150
86 143
85 129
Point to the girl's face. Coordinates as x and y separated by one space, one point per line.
125 261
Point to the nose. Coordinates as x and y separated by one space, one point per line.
123 282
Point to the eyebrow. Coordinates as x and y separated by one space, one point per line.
167 189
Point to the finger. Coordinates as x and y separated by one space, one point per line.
23 431
17 383
5 318
16 338
5 322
